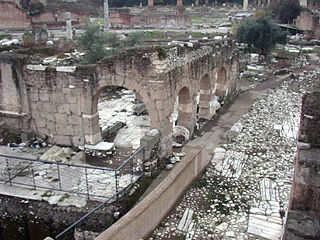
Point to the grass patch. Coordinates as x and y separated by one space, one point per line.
64 197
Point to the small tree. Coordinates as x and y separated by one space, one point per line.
92 42
260 34
286 11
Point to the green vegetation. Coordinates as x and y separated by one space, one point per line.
92 41
98 44
161 52
260 34
5 35
64 197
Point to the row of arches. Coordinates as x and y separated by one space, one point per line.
191 102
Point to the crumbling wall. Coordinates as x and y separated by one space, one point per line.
58 101
304 208
309 22
62 101
14 109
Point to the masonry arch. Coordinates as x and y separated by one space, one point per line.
130 107
185 109
221 83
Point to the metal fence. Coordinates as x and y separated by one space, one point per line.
93 182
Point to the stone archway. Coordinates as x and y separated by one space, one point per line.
185 110
221 84
94 121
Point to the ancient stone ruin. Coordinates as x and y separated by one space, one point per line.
60 103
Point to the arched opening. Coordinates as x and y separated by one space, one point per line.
221 86
183 121
123 121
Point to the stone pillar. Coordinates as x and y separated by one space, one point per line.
269 3
259 3
68 26
245 5
106 15
150 3
179 3
197 3
207 2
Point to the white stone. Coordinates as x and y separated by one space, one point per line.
36 67
66 69
181 131
101 146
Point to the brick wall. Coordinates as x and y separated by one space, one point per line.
11 16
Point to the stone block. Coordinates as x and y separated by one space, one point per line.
111 129
44 97
93 138
161 94
51 126
62 140
204 104
64 108
205 113
75 109
77 129
58 98
159 104
77 140
64 130
35 114
41 123
43 132
205 97
71 98
48 116
60 118
51 108
34 96
74 119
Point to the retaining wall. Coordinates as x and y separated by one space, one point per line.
143 218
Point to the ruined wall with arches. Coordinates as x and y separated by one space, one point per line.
62 101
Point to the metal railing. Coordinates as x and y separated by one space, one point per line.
122 169
93 182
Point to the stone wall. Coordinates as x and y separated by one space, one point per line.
144 217
12 16
62 101
309 22
304 209
14 112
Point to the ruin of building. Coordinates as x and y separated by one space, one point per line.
309 22
59 103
